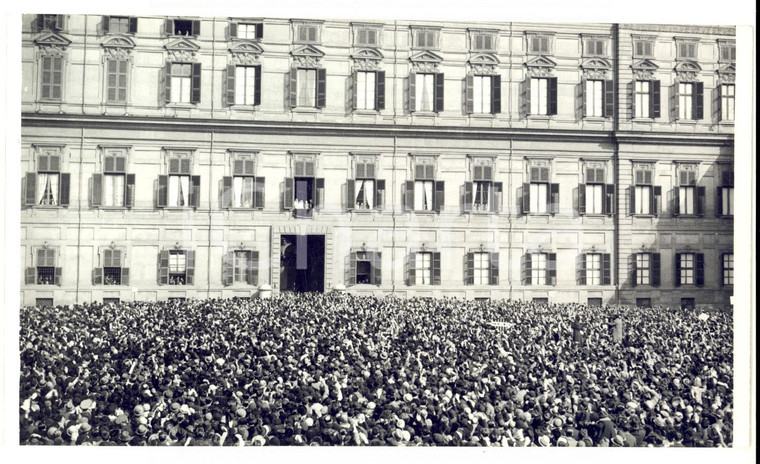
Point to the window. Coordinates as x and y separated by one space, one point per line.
539 45
114 187
50 22
687 50
645 198
367 37
598 98
643 49
542 96
365 192
594 269
44 302
177 267
250 31
307 87
244 85
727 101
111 301
540 300
646 99
48 186
243 189
116 91
307 33
727 52
539 196
688 303
44 271
725 200
727 266
113 271
426 38
424 268
596 197
365 267
645 269
424 193
483 42
482 194
119 25
304 192
369 90
644 302
426 92
594 47
482 268
51 79
241 267
689 100
175 300
688 198
595 303
690 269
483 94
183 27
540 269
183 81
179 189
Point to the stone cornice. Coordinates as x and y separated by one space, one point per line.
682 29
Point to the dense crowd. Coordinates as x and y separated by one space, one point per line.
314 369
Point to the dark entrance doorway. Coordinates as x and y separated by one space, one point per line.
302 263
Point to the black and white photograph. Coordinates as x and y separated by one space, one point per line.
362 228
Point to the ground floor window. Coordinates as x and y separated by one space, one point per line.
44 302
644 302
595 303
687 303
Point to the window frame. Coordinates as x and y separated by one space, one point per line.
650 42
234 29
165 271
373 258
725 101
51 81
431 35
477 34
131 23
361 172
546 269
727 269
316 27
539 36
687 44
588 51
127 81
358 29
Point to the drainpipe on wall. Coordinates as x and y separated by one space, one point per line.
616 159
81 158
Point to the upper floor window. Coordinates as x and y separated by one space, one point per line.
594 47
243 189
426 38
424 193
646 99
308 87
424 268
541 95
482 194
426 92
539 196
598 98
244 85
690 269
51 22
366 36
540 268
483 41
645 198
369 90
183 27
727 101
112 270
727 268
688 198
595 196
690 100
540 44
119 25
643 48
113 187
240 267
725 202
179 189
645 269
116 87
246 30
177 267
307 33
48 186
687 50
594 269
483 94
365 191
482 268
51 78
183 82
304 192
44 270
727 52
365 267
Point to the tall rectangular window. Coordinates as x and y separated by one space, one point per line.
687 268
642 96
643 199
594 96
643 269
727 265
425 92
424 187
365 196
539 96
725 200
114 180
365 90
48 174
118 24
685 100
423 268
307 87
46 269
483 193
687 192
482 94
112 267
727 102
245 85
242 262
539 191
181 82
179 189
595 191
117 81
481 268
593 268
177 267
52 78
242 184
538 271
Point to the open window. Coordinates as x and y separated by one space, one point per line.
304 193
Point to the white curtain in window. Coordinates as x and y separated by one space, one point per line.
365 91
643 198
242 188
422 268
180 90
245 85
179 191
686 200
539 96
594 98
594 199
47 189
538 198
114 190
307 86
481 94
425 92
177 263
480 199
423 195
365 194
727 102
728 201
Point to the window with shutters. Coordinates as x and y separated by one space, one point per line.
177 267
727 52
181 83
114 187
119 24
183 27
645 197
540 269
424 193
483 41
246 30
366 82
304 193
307 87
113 270
365 192
686 50
50 22
594 47
594 98
727 101
539 44
307 34
727 268
685 100
646 99
245 189
482 195
116 87
643 268
423 267
643 48
425 91
686 201
45 266
593 268
48 186
51 78
542 96
425 38
686 268
240 266
595 193
481 268
725 201
247 85
366 36
179 189
539 195
481 94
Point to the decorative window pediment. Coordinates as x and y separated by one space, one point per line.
540 66
484 63
246 53
118 47
425 61
182 50
307 56
644 70
52 44
688 71
367 59
727 74
596 68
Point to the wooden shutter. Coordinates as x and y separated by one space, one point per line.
162 194
606 269
353 83
552 84
698 96
293 87
319 184
469 268
196 28
30 199
228 268
412 92
233 30
676 201
632 96
252 269
701 201
351 278
699 269
654 270
379 194
632 199
260 31
129 191
581 266
350 194
656 201
377 269
719 102
553 198
609 98
168 82
527 96
496 94
527 269
227 192
436 264
410 270
189 267
58 276
196 83
257 85
108 258
719 201
259 187
493 268
468 93
409 195
31 275
498 194
163 267
380 91
438 92
551 268
97 276
609 199
288 192
97 190
632 269
581 199
169 27
321 87
526 198
468 196
105 24
133 25
439 196
654 100
677 269
195 191
63 189
231 84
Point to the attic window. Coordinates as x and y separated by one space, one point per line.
183 27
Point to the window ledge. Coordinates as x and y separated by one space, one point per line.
182 105
596 118
50 101
482 115
482 213
726 123
365 211
178 208
423 212
111 208
688 121
641 119
242 107
120 104
50 207
428 114
644 216
540 117
367 112
305 109
241 209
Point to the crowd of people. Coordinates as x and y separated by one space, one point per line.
336 369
